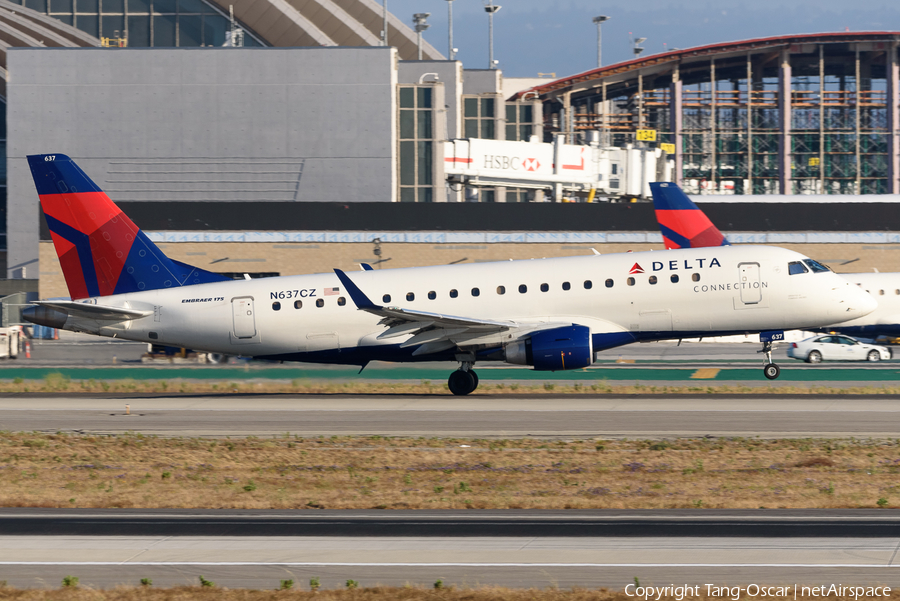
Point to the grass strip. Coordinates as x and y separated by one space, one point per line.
54 382
374 472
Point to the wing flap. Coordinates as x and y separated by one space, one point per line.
409 321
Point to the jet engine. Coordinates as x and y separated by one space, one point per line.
568 347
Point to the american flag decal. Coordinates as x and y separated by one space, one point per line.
332 291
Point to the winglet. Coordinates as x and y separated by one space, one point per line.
682 223
358 296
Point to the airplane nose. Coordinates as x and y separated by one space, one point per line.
857 302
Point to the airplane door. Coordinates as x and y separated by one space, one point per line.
244 317
751 290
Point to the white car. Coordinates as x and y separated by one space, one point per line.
836 347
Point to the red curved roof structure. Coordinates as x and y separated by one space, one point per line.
710 50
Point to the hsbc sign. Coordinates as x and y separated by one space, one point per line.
508 163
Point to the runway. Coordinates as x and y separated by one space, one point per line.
515 548
494 416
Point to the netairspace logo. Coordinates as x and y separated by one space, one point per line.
756 590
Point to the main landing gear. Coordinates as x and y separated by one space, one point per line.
464 380
770 370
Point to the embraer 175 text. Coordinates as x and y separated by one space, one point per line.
552 314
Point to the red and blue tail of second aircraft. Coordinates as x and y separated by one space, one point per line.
101 251
682 223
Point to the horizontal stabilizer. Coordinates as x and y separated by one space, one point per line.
91 311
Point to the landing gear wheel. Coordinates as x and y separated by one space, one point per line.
874 356
475 376
771 371
217 358
461 382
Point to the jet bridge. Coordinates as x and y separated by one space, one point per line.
559 168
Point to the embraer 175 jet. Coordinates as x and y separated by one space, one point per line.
552 314
684 225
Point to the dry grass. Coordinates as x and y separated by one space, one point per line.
360 594
374 472
57 382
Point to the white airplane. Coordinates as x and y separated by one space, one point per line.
552 314
684 225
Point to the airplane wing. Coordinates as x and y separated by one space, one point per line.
431 330
90 311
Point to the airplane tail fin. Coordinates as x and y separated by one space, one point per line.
682 223
101 251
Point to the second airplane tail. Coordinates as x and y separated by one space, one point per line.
682 223
101 251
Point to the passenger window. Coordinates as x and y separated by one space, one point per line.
523 288
432 295
881 293
588 284
630 281
501 289
320 303
276 306
695 277
815 266
386 298
609 283
546 287
897 291
298 304
674 278
410 296
341 301
796 267
652 279
475 291
454 293
566 285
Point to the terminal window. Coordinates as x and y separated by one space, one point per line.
416 144
144 23
519 121
478 118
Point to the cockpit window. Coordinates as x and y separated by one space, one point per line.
795 267
815 266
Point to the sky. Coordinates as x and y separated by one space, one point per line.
558 36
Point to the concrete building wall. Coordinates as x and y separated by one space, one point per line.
202 124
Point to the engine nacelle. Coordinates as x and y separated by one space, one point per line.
568 347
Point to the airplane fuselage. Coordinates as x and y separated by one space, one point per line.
622 298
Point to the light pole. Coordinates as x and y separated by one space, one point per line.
490 9
599 21
421 25
637 46
384 33
450 52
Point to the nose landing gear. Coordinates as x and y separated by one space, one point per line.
464 380
770 370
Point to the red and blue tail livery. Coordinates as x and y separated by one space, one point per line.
101 251
682 223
